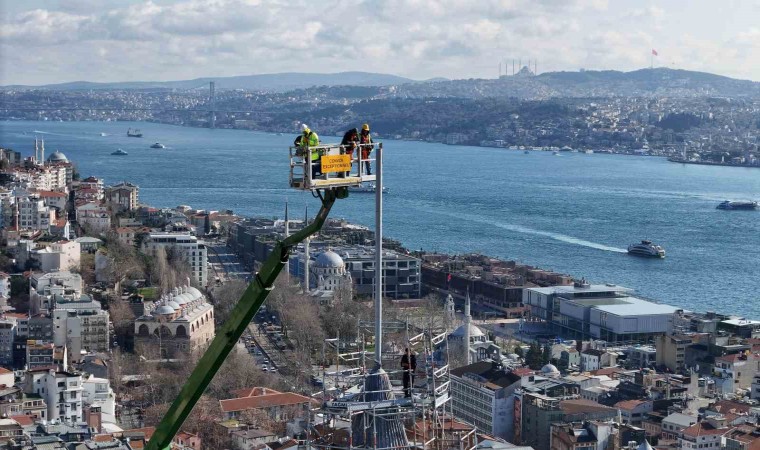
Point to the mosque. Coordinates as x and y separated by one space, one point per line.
180 322
481 347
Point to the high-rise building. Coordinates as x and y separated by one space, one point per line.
192 250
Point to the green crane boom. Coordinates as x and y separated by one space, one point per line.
230 332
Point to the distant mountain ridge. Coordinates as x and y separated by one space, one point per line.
589 83
275 82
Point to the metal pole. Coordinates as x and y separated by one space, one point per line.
379 256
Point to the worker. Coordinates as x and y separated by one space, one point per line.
311 139
349 143
409 366
365 141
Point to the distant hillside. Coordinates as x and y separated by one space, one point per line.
605 83
276 82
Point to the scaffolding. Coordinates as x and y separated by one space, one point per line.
379 417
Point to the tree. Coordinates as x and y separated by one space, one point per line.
534 358
519 351
226 298
546 355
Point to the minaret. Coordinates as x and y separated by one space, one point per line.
42 152
467 325
36 151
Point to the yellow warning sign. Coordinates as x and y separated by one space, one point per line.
336 163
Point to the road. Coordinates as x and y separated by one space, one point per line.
225 264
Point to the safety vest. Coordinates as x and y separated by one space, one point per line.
312 140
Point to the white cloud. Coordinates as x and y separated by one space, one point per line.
142 40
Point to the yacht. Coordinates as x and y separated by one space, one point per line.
728 204
119 152
158 145
646 249
367 188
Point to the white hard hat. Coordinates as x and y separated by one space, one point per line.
304 127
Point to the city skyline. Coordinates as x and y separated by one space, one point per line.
50 41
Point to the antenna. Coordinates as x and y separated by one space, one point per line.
212 103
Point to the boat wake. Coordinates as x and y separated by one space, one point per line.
532 231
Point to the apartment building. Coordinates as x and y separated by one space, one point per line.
192 250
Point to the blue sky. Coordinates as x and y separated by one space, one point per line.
58 41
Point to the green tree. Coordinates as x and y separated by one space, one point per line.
546 355
534 358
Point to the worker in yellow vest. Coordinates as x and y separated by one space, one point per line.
310 139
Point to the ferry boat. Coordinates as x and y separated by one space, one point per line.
646 249
134 133
368 188
728 204
158 145
119 152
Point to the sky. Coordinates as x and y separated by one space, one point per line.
52 41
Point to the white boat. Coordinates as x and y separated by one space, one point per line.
728 204
367 188
119 152
158 145
556 153
588 152
646 249
103 135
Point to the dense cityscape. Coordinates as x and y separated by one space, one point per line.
690 116
352 225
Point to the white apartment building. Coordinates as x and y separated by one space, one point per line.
62 392
123 196
81 325
54 199
481 394
706 434
62 255
193 251
93 216
98 392
44 286
34 215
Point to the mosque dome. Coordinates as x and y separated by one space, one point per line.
330 260
461 331
194 293
550 370
164 310
174 305
57 156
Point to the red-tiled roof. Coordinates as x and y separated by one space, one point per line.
629 404
102 438
728 406
148 431
523 371
262 401
251 392
24 420
703 429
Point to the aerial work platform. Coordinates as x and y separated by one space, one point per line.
338 167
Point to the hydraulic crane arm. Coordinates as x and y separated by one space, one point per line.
230 332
